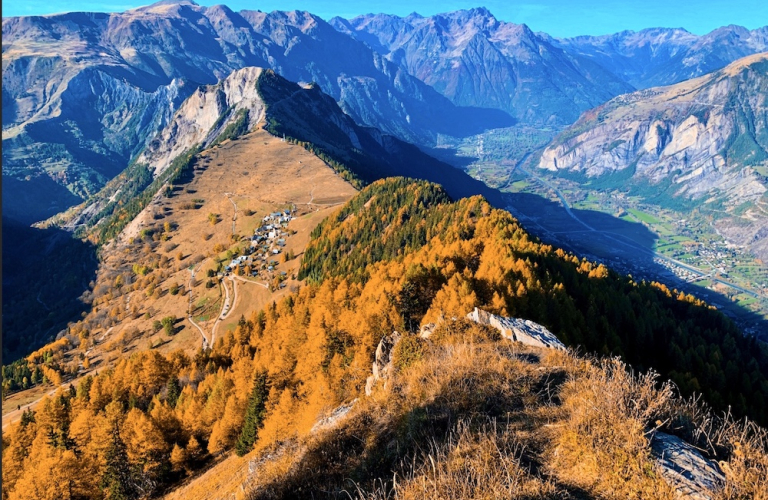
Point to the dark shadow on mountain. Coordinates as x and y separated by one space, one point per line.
30 201
465 121
626 247
45 272
313 119
450 156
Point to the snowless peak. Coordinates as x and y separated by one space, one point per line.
175 2
477 14
166 6
481 12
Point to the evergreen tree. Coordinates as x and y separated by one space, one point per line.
174 390
28 417
117 480
254 414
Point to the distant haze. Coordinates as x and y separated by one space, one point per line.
560 18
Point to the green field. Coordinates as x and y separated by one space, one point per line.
643 216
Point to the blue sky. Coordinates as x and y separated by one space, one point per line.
556 17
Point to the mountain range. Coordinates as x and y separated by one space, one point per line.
252 97
254 280
662 56
85 93
133 81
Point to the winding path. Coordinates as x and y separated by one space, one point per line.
225 309
189 308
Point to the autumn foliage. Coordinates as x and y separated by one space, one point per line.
398 256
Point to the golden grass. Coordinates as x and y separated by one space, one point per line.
602 444
471 463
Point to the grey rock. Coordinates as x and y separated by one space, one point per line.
681 138
382 364
334 417
426 330
518 330
684 468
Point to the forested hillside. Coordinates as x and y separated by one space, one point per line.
506 271
143 425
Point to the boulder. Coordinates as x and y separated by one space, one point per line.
684 468
426 331
518 330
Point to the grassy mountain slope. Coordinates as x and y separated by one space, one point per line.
245 99
143 275
308 116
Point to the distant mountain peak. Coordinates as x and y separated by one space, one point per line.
167 5
475 14
174 2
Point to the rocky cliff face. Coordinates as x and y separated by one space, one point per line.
300 112
704 140
204 116
476 60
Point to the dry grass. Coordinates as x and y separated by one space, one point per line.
602 444
486 419
471 463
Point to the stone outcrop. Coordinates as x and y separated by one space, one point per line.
426 330
518 330
382 364
334 417
204 116
684 468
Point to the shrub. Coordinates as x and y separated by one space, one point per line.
409 350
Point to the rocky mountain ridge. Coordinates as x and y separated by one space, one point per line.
252 97
664 56
476 60
205 115
83 93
